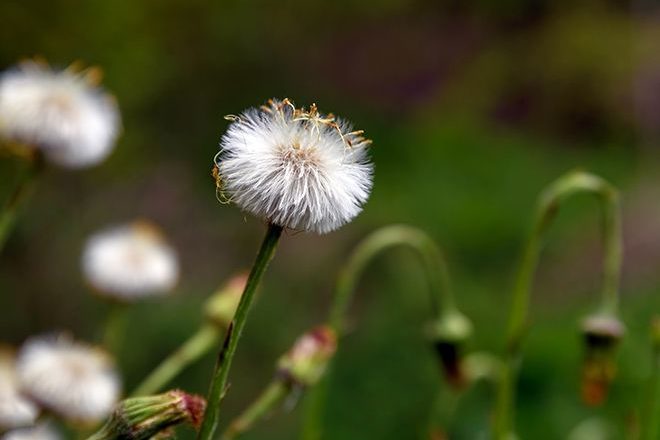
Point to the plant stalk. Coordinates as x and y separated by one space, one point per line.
228 350
547 206
375 244
442 300
115 326
275 393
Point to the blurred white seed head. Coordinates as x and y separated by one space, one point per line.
130 261
296 168
41 431
16 410
65 113
74 380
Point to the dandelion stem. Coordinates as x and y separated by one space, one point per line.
442 300
195 347
19 196
547 207
270 397
226 354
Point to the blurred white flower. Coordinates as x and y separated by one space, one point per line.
73 380
41 431
16 410
130 261
296 168
63 113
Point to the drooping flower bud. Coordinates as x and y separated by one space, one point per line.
602 334
306 361
148 417
450 334
220 307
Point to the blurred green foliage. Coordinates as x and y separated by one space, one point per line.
473 108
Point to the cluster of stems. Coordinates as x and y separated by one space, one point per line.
449 323
451 328
444 310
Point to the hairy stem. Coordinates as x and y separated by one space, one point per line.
547 207
228 350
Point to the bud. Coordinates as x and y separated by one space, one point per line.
221 306
450 334
306 361
602 334
148 417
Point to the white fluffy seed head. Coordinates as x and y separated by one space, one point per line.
296 168
16 410
74 380
62 113
41 431
129 262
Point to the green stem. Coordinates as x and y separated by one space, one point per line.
275 393
547 207
315 407
19 197
437 273
113 332
195 347
226 355
379 241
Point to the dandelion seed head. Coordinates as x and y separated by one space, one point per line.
130 261
74 380
62 113
296 168
16 410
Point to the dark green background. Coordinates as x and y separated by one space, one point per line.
473 107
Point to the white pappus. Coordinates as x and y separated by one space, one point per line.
294 167
64 114
16 410
131 261
74 380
